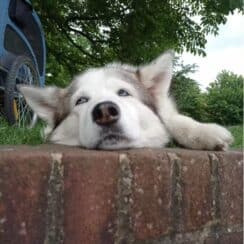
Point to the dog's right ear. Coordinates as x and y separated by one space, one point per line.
43 101
156 76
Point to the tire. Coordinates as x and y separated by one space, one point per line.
16 111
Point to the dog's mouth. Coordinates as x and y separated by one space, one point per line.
111 140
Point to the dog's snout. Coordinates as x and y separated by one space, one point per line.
106 113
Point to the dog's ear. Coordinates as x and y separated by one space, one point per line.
43 101
156 76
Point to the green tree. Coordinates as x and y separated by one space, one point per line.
189 98
92 32
225 99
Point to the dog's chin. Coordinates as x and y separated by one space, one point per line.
113 142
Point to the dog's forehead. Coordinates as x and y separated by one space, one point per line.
107 77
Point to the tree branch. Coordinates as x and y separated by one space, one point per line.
88 37
79 47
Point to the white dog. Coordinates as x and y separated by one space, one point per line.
121 106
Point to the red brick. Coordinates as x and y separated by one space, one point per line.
196 190
151 197
231 188
226 238
90 197
23 188
90 183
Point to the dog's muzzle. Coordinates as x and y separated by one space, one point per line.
106 113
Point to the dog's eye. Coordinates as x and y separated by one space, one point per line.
123 93
82 100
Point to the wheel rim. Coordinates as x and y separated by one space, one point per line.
16 113
24 115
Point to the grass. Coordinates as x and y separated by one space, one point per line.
237 132
13 135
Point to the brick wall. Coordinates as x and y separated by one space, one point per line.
55 195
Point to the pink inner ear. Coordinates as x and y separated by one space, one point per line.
159 77
152 91
157 80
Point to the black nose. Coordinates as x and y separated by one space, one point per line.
106 113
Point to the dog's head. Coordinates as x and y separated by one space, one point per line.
112 107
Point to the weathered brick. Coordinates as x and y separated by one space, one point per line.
92 205
23 196
231 188
151 196
197 199
226 238
90 184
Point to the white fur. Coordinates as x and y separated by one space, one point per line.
139 123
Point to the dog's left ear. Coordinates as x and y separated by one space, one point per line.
156 76
47 103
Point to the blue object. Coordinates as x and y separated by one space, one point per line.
21 34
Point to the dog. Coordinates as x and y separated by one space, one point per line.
120 106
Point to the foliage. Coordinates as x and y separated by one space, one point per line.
57 74
189 98
225 99
237 132
222 103
82 33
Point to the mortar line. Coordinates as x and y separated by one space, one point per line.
197 236
214 167
124 233
176 195
55 201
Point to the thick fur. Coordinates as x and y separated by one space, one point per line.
148 115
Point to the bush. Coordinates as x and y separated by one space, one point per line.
225 99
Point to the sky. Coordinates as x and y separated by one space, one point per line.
224 51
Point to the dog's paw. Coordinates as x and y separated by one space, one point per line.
215 137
